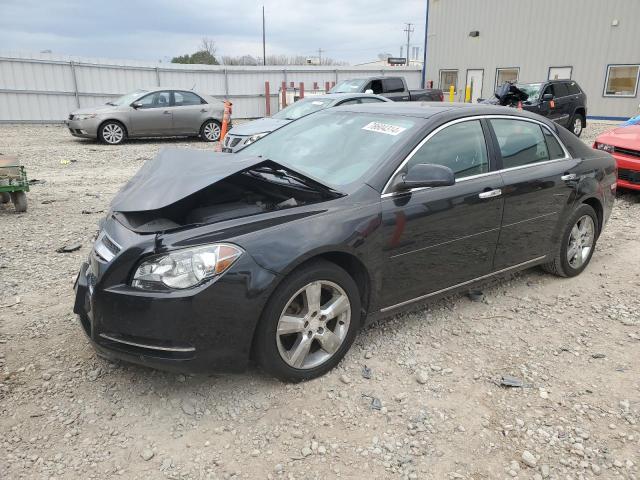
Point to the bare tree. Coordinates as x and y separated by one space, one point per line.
208 45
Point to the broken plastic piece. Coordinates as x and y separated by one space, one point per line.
509 381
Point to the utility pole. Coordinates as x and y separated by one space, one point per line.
264 49
320 56
409 31
424 53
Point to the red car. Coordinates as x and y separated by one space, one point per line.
624 144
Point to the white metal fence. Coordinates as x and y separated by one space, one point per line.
45 88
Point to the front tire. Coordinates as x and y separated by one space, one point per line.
309 323
210 131
112 133
577 244
19 200
4 197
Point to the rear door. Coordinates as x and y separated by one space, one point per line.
153 117
435 238
189 112
395 89
539 186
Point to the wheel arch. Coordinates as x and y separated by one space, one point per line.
596 204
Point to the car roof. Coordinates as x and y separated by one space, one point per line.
430 109
341 96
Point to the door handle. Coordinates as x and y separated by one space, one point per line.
491 193
167 112
569 176
204 110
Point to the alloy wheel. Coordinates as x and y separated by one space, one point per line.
577 126
581 241
112 133
211 131
313 324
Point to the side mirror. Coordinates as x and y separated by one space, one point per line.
426 175
368 90
136 105
547 97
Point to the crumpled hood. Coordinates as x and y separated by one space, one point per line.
258 126
176 173
624 137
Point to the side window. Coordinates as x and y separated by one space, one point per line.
461 147
550 90
393 85
183 99
353 101
555 150
573 88
370 100
561 89
521 143
155 100
375 85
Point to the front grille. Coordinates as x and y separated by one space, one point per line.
627 151
106 248
235 141
630 176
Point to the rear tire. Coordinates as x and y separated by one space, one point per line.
210 131
577 124
577 244
292 320
19 200
112 133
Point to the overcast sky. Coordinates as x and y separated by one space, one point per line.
349 30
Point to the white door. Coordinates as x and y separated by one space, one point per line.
560 73
474 82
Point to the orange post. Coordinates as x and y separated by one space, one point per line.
284 94
326 87
315 85
225 119
301 89
267 96
519 105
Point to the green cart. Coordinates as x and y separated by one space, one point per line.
13 183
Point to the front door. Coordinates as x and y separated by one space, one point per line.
153 115
435 238
474 82
539 186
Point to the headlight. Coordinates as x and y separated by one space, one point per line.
84 116
606 147
185 268
255 137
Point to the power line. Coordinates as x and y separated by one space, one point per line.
409 31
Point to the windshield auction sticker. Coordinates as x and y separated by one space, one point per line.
383 128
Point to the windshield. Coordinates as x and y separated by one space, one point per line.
349 86
335 147
303 107
531 89
126 99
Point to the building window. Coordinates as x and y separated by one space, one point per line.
506 75
622 81
448 78
560 73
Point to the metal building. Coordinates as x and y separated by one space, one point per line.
484 43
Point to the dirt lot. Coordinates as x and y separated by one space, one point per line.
65 413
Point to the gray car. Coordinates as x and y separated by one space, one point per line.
157 112
243 135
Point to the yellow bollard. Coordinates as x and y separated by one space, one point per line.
451 92
467 94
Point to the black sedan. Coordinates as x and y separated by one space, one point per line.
281 253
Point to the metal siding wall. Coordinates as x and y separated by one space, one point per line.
23 77
576 33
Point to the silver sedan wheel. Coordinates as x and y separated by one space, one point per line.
577 126
211 131
581 241
313 325
112 133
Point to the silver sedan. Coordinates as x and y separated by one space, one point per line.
150 113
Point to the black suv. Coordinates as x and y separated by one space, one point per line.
562 101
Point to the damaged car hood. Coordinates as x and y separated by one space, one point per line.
177 173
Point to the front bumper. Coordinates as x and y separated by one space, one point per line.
628 171
204 329
83 128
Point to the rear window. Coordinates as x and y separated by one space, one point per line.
393 85
573 88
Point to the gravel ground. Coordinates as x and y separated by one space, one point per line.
431 409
